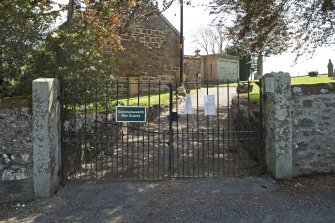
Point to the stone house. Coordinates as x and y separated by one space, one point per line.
213 67
151 53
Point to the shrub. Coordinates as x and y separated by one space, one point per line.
313 73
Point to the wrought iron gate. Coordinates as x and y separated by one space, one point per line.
199 130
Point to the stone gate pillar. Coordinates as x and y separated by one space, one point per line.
46 137
278 124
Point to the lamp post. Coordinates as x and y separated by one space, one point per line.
181 43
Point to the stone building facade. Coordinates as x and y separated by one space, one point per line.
212 68
151 53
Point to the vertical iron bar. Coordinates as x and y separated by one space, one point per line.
74 137
177 163
62 119
143 154
148 127
122 152
159 123
117 131
198 130
96 129
207 134
213 151
128 93
198 151
187 150
218 123
125 156
208 150
203 153
240 143
163 166
183 151
153 155
197 106
138 92
207 115
85 124
138 131
133 152
223 152
170 130
218 142
148 155
127 145
138 153
248 101
106 126
233 151
228 127
192 152
262 158
238 100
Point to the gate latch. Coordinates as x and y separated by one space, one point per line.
174 116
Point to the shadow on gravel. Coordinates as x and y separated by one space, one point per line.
250 199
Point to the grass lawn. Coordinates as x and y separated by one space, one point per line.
323 78
155 99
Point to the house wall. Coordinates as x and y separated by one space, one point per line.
227 69
193 70
210 73
151 53
313 118
208 67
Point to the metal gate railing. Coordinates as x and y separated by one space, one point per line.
190 136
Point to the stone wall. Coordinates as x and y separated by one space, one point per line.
16 163
313 113
151 52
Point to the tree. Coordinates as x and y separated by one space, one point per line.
94 26
31 47
209 38
245 62
258 27
310 23
24 27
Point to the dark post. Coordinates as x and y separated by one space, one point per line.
261 138
62 129
170 128
181 46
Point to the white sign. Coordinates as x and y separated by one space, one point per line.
269 84
188 104
209 105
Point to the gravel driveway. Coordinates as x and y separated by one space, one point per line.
251 199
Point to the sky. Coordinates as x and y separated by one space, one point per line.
199 16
